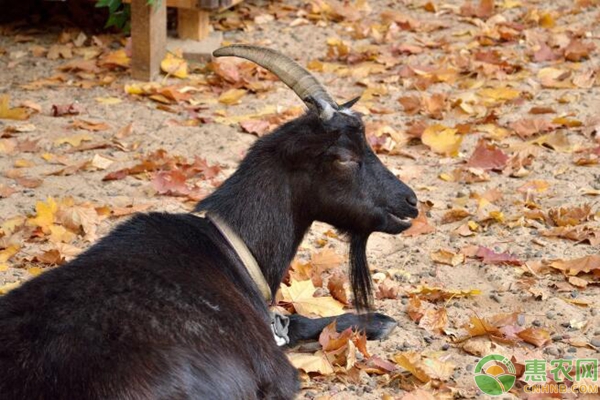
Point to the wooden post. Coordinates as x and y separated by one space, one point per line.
148 38
193 24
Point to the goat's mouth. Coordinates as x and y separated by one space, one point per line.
397 224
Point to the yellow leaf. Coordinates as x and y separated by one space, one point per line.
3 267
44 214
8 287
434 293
8 252
547 20
577 302
300 294
134 89
232 96
539 186
116 58
448 257
447 177
503 93
60 234
555 78
108 100
174 65
74 140
10 225
508 4
34 271
442 140
19 113
317 362
424 368
101 162
80 218
21 163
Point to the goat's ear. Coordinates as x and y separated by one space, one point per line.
322 107
350 103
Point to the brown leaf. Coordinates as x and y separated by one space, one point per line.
414 309
424 368
577 50
337 286
484 9
30 183
434 320
542 110
28 146
52 257
411 104
89 125
82 218
576 233
434 105
488 157
325 259
544 53
88 66
58 110
526 127
171 183
571 216
536 336
388 289
578 265
488 256
6 191
448 257
255 126
420 226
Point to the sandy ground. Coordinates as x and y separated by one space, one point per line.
539 297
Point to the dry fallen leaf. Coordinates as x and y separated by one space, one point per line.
175 65
488 157
317 362
420 226
232 96
578 265
489 256
442 140
424 368
18 113
301 295
448 257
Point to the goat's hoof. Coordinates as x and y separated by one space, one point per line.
380 326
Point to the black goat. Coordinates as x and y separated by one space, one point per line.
167 307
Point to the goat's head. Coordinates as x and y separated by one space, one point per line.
333 167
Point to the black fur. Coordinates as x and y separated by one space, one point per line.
162 308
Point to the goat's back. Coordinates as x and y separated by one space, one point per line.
160 308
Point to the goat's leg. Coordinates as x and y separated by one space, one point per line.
377 326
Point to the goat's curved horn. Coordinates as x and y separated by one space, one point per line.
297 78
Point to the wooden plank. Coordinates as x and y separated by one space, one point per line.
187 4
218 5
148 39
193 24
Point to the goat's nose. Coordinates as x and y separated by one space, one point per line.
412 200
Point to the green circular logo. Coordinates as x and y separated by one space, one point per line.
495 375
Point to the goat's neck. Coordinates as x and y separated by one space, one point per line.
260 208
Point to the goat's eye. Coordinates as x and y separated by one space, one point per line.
346 164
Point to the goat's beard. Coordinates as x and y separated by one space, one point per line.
360 275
